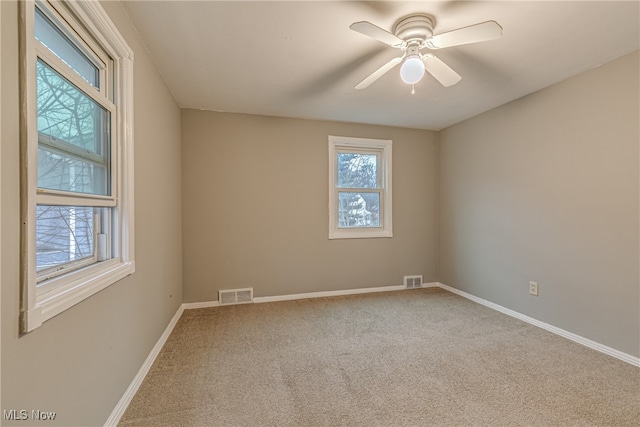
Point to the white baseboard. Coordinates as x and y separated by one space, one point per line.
122 405
323 294
320 294
205 304
633 360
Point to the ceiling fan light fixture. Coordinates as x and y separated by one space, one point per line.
412 70
415 32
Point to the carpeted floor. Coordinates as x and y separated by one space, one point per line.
423 357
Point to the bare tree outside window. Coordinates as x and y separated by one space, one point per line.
358 208
71 152
63 234
72 157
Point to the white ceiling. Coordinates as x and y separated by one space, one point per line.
300 59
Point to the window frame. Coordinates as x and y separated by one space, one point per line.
85 23
380 147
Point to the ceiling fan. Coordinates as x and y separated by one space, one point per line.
413 33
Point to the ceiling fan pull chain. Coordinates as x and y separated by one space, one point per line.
413 89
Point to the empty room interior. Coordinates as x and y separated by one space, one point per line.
320 213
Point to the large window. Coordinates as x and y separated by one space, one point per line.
359 188
77 176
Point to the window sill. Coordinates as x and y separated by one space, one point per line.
359 234
79 287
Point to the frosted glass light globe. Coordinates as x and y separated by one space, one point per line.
412 70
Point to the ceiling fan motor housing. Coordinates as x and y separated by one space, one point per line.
414 28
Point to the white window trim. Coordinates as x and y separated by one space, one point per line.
386 227
80 284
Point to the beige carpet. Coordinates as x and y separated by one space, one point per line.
423 357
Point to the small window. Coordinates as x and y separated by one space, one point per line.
77 197
359 188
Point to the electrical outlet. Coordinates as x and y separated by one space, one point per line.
533 288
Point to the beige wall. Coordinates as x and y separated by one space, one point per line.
255 210
546 189
80 362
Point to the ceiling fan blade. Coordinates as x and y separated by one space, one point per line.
489 30
378 73
368 29
441 71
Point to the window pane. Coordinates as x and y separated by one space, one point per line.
59 171
63 48
358 209
357 170
74 141
63 234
